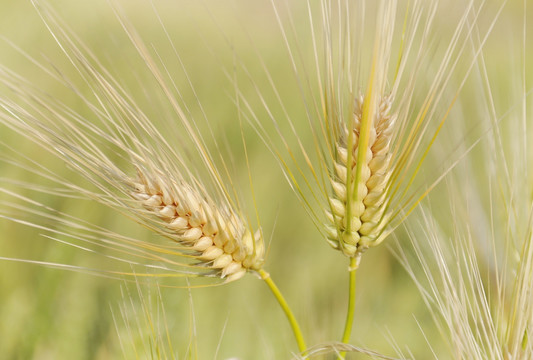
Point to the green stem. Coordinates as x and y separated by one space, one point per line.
290 316
351 305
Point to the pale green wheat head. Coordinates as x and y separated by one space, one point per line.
379 92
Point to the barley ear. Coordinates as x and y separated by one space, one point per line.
357 203
216 236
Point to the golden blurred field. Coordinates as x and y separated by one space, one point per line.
49 313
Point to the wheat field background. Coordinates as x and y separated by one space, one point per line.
49 313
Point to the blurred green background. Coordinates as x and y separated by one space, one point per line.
53 314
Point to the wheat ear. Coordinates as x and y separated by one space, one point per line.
357 203
215 235
211 233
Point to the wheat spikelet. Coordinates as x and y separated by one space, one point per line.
216 236
367 196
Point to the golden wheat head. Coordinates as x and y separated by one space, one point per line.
217 237
200 213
